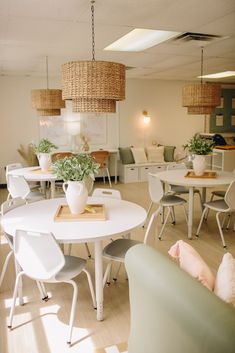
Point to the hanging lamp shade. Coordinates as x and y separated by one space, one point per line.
93 86
201 98
47 102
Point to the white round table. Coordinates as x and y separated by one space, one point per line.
177 177
36 174
121 217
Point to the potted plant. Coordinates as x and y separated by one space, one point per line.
199 147
73 171
43 151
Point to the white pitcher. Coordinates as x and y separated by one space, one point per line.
44 160
76 195
199 164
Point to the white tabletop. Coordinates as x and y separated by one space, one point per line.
122 216
177 177
33 174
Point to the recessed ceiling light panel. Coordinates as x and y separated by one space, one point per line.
140 39
219 75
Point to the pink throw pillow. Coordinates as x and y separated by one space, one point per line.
191 262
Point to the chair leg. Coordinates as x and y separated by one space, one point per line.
206 216
73 308
69 249
88 250
148 211
201 220
185 214
173 215
200 199
110 184
117 272
107 273
18 269
42 290
4 268
220 229
18 279
91 288
228 224
167 216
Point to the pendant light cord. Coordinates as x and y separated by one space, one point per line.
47 72
201 64
93 29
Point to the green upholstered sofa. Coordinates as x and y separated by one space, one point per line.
172 312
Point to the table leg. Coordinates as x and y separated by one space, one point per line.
115 167
99 279
203 195
52 189
190 212
43 187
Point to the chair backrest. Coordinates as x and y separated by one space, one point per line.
89 183
18 186
8 206
60 155
13 166
229 197
166 312
150 234
176 166
100 157
11 204
38 254
155 188
111 193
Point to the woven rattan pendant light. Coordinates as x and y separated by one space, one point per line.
201 98
93 86
47 102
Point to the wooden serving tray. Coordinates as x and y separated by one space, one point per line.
40 171
206 175
94 212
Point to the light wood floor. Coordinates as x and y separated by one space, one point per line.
42 327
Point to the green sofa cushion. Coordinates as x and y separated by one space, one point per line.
169 153
126 155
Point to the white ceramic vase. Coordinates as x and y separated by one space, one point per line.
199 164
76 196
44 160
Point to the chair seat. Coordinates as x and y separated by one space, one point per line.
178 189
217 205
219 193
73 266
116 250
172 200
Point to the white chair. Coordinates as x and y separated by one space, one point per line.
226 205
41 258
6 207
178 189
117 249
10 167
168 201
18 187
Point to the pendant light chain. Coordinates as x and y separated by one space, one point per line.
93 29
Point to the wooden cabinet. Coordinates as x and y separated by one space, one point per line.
223 160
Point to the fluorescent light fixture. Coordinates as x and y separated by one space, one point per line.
140 39
219 75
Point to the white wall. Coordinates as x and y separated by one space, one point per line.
170 123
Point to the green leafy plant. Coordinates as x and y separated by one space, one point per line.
44 146
199 145
75 168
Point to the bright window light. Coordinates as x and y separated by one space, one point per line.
219 75
140 39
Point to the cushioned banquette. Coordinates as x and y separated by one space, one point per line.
136 163
171 311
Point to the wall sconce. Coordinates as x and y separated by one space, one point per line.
146 118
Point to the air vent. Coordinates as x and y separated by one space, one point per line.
202 37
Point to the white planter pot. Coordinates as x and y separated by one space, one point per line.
76 196
44 160
199 164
